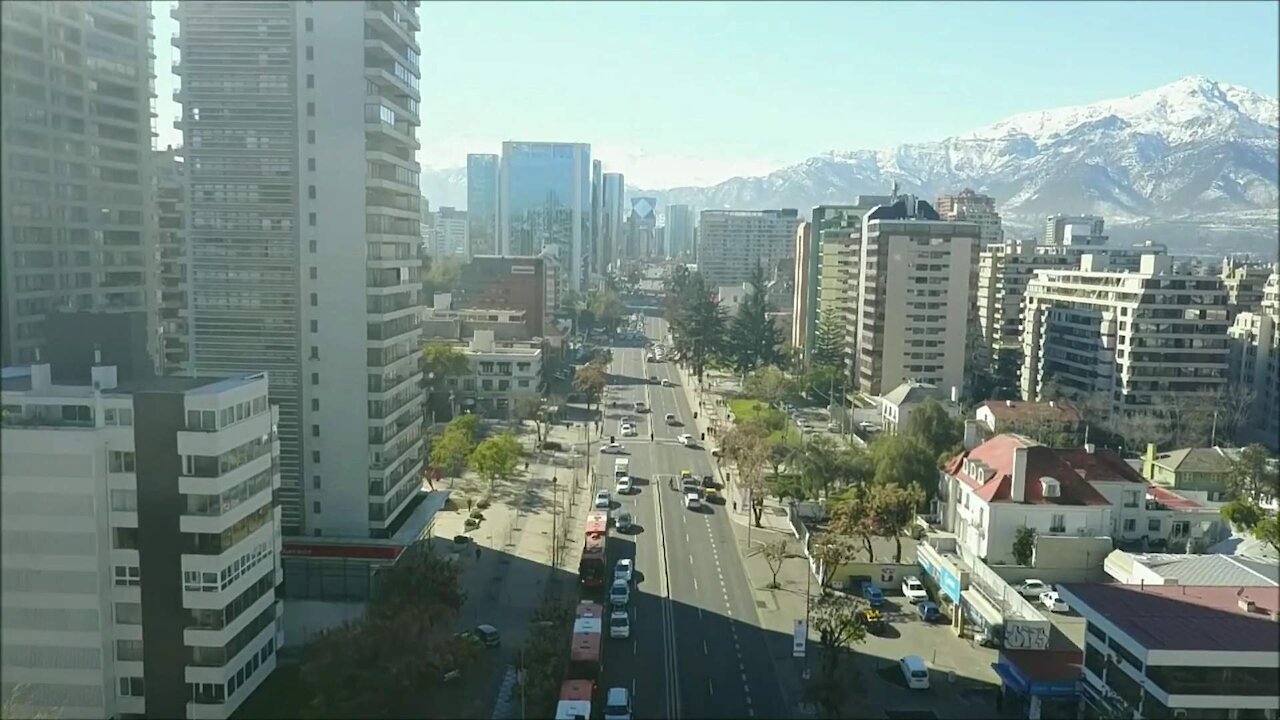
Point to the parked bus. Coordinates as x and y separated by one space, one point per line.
575 700
594 565
585 658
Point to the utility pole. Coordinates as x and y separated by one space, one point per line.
555 538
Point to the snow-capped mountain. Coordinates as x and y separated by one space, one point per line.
1180 163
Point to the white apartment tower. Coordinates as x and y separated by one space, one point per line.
731 243
1255 360
914 297
142 544
974 207
299 123
76 210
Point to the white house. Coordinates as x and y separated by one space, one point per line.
897 404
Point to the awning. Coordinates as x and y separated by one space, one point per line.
982 606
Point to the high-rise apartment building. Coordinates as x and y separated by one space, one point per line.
613 219
482 203
171 241
974 207
642 224
1255 361
299 123
544 195
679 234
142 543
1244 282
913 297
732 243
1055 227
1133 340
76 209
595 259
447 234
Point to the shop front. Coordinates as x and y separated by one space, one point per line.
982 619
1037 684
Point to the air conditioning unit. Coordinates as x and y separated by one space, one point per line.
1179 713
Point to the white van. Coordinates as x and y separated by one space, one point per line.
617 704
914 672
692 501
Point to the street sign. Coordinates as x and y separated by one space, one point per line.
799 638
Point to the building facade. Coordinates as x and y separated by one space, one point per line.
1255 362
142 551
1135 341
613 219
500 375
974 207
642 228
447 234
681 222
306 245
732 243
508 283
79 120
544 197
171 241
482 203
1055 226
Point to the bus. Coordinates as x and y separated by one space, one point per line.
595 564
575 700
585 658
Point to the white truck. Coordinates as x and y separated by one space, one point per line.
621 468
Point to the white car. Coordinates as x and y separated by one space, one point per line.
914 591
692 501
602 500
670 418
624 486
617 704
624 570
619 594
1032 588
914 672
612 448
1050 600
627 430
619 624
686 440
666 382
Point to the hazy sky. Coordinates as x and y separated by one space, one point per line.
693 93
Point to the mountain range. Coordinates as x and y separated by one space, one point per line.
1192 163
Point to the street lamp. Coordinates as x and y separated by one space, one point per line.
555 538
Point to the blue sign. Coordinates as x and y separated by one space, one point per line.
949 583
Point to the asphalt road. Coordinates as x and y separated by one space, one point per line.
696 648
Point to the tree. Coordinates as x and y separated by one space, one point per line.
1024 545
697 321
935 428
894 508
420 581
774 553
781 453
831 551
852 515
1189 418
755 339
591 381
19 702
466 425
1235 404
828 344
746 445
544 658
442 275
902 460
606 307
819 464
496 458
535 409
442 361
840 627
450 451
824 381
572 303
1254 481
769 385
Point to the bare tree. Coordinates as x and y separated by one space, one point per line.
534 409
747 446
774 553
836 618
1235 406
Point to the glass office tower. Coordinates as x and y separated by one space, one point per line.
544 200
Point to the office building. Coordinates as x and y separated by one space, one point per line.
595 259
1055 226
447 234
299 124
171 241
680 226
78 124
732 243
544 195
1254 339
482 203
613 219
913 297
509 283
970 206
1133 340
104 479
642 224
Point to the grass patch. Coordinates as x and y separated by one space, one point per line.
749 410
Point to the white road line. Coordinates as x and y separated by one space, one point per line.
691 558
711 690
635 648
686 537
751 713
741 667
744 678
699 613
748 698
704 648
695 584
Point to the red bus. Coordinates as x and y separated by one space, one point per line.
575 700
594 564
585 659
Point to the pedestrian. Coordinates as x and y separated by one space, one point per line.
468 504
526 466
735 506
477 552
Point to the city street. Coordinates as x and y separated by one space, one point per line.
697 648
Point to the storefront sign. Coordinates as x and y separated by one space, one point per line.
799 638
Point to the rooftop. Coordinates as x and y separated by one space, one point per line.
1212 570
1202 460
1023 411
1046 666
1184 617
996 456
912 392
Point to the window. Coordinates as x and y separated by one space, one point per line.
315 404
311 52
124 500
132 687
311 164
1058 524
124 538
311 220
313 272
315 482
118 416
128 576
315 456
311 109
315 378
1130 524
129 650
311 81
120 461
310 25
315 507
315 352
311 244
315 431
129 613
311 137
1153 525
311 192
315 326
315 299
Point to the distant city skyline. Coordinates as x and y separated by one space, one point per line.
726 108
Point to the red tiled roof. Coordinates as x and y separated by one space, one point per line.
997 455
1101 465
1172 500
1014 410
1046 666
1184 617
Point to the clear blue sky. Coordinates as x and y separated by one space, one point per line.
671 93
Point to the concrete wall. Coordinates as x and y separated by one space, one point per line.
886 576
1070 553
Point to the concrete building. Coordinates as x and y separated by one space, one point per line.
974 207
482 203
897 404
305 240
1196 570
913 298
1244 283
447 234
508 283
544 197
77 208
613 219
1055 226
1190 469
594 257
500 374
1255 362
804 303
102 481
681 222
1135 339
462 323
174 275
1050 423
732 243
1181 651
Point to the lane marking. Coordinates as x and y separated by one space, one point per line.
635 647
695 584
744 678
742 667
704 648
690 558
710 688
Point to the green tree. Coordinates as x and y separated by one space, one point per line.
1024 545
1254 481
820 464
450 450
442 361
824 381
755 339
851 514
535 409
443 275
838 623
935 429
902 460
544 658
746 445
832 552
606 307
895 508
591 380
467 425
769 385
697 321
496 458
828 344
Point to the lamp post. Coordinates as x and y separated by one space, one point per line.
555 538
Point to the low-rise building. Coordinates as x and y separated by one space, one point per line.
897 404
1179 651
500 374
1059 424
1182 569
142 543
1199 469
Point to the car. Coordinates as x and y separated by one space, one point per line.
624 485
914 591
873 594
1053 602
627 419
617 704
670 419
873 620
709 482
1032 588
620 624
488 635
685 474
642 408
612 448
602 500
712 495
689 485
627 430
653 379
619 593
624 522
692 501
929 611
914 672
666 382
624 570
687 440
